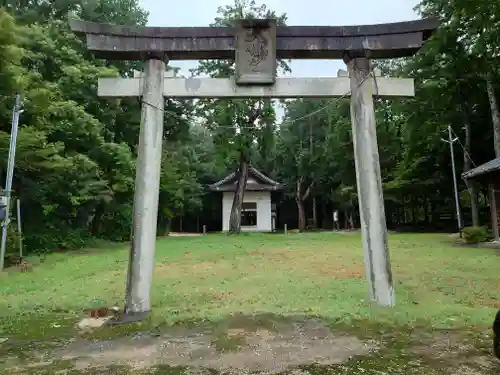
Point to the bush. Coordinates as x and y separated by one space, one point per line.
474 235
50 237
115 223
11 245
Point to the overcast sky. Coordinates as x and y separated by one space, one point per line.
299 12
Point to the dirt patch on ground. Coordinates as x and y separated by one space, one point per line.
265 345
448 349
254 349
299 344
441 344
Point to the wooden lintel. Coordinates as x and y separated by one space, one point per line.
292 42
283 88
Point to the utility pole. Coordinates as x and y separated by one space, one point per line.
451 141
10 175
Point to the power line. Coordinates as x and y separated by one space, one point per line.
292 121
463 148
288 122
333 101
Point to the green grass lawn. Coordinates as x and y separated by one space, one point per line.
212 277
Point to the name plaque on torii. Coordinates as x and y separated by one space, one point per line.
255 52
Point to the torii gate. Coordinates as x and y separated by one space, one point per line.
255 45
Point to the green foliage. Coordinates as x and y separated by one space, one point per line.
474 235
180 191
115 222
76 153
75 159
12 244
415 163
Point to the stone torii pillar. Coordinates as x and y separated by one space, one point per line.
146 194
368 180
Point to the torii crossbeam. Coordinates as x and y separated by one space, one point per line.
255 45
285 88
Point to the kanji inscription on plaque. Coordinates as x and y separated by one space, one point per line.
255 52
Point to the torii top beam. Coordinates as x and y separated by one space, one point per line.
389 40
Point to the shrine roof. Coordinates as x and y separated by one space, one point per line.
256 181
483 169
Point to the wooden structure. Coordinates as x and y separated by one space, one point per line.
258 211
255 45
488 174
383 41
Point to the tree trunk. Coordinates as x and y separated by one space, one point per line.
495 113
235 218
413 209
300 198
95 222
315 214
324 216
426 211
301 214
168 227
351 219
405 214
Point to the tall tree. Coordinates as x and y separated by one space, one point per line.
67 138
476 27
303 151
239 124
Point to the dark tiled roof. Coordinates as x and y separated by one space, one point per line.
491 166
227 183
